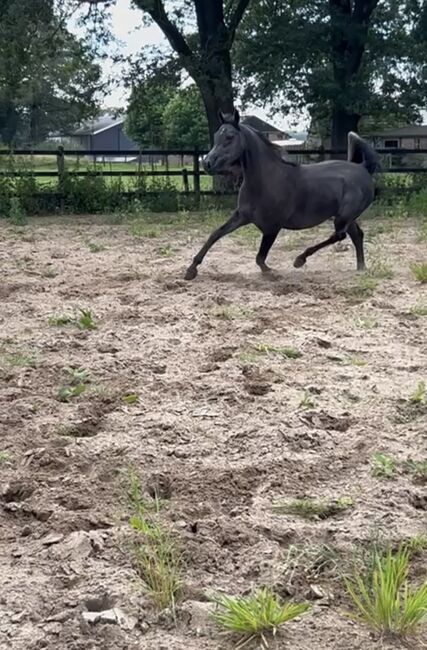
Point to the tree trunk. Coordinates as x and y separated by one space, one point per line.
342 123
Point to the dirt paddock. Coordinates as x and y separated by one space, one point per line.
225 425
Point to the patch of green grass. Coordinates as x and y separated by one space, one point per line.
20 360
77 375
307 401
130 398
311 562
166 251
95 248
363 289
141 229
5 457
231 312
248 236
286 353
255 617
17 215
313 508
365 322
86 321
383 466
379 269
417 469
385 600
67 393
49 272
419 395
419 272
416 544
419 309
61 320
156 555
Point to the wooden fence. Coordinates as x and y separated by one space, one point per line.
192 171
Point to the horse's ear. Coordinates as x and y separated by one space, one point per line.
221 116
236 117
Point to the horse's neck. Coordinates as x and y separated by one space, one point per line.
259 161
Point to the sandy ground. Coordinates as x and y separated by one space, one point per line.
224 427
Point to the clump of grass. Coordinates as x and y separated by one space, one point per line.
420 272
385 600
417 469
314 508
166 251
231 312
419 309
17 215
86 321
307 401
94 247
383 466
284 352
130 398
255 617
77 376
156 554
311 561
20 360
5 457
61 320
416 544
419 394
365 322
67 393
379 269
364 288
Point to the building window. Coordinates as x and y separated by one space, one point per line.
391 144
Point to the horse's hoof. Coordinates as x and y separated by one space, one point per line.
190 273
299 262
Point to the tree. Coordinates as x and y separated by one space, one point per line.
201 34
343 59
185 120
48 80
149 97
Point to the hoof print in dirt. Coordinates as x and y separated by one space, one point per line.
222 354
259 382
85 428
159 486
322 420
419 501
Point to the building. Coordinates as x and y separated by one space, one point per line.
404 137
105 133
271 132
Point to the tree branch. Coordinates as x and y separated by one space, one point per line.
157 11
236 17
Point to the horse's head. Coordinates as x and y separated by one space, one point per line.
228 146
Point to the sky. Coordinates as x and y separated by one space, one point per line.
124 21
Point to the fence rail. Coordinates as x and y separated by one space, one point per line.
141 158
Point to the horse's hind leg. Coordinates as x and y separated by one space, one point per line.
356 235
267 242
237 219
338 235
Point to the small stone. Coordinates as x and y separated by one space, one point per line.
17 618
26 530
125 621
106 616
52 538
17 552
316 592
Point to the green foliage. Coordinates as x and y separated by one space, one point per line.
419 395
4 457
48 79
17 215
67 393
255 616
314 508
385 600
420 272
418 470
383 466
130 398
285 352
185 120
86 321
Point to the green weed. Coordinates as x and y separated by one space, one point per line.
67 393
231 312
130 398
95 248
313 508
77 375
385 600
286 353
307 401
5 457
379 269
418 469
20 360
365 322
17 215
383 466
256 616
85 321
419 395
419 309
419 272
61 320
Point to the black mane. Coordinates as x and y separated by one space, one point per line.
278 151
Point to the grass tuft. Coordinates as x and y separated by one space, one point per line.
286 353
384 598
419 394
256 616
313 508
420 272
383 466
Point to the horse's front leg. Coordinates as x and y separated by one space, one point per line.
237 219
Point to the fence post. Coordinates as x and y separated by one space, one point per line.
185 180
60 161
196 169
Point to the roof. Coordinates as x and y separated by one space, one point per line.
102 123
414 130
260 125
290 142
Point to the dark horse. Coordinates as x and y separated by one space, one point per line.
277 194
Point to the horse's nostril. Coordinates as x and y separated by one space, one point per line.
206 165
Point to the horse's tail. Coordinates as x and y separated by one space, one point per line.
362 153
